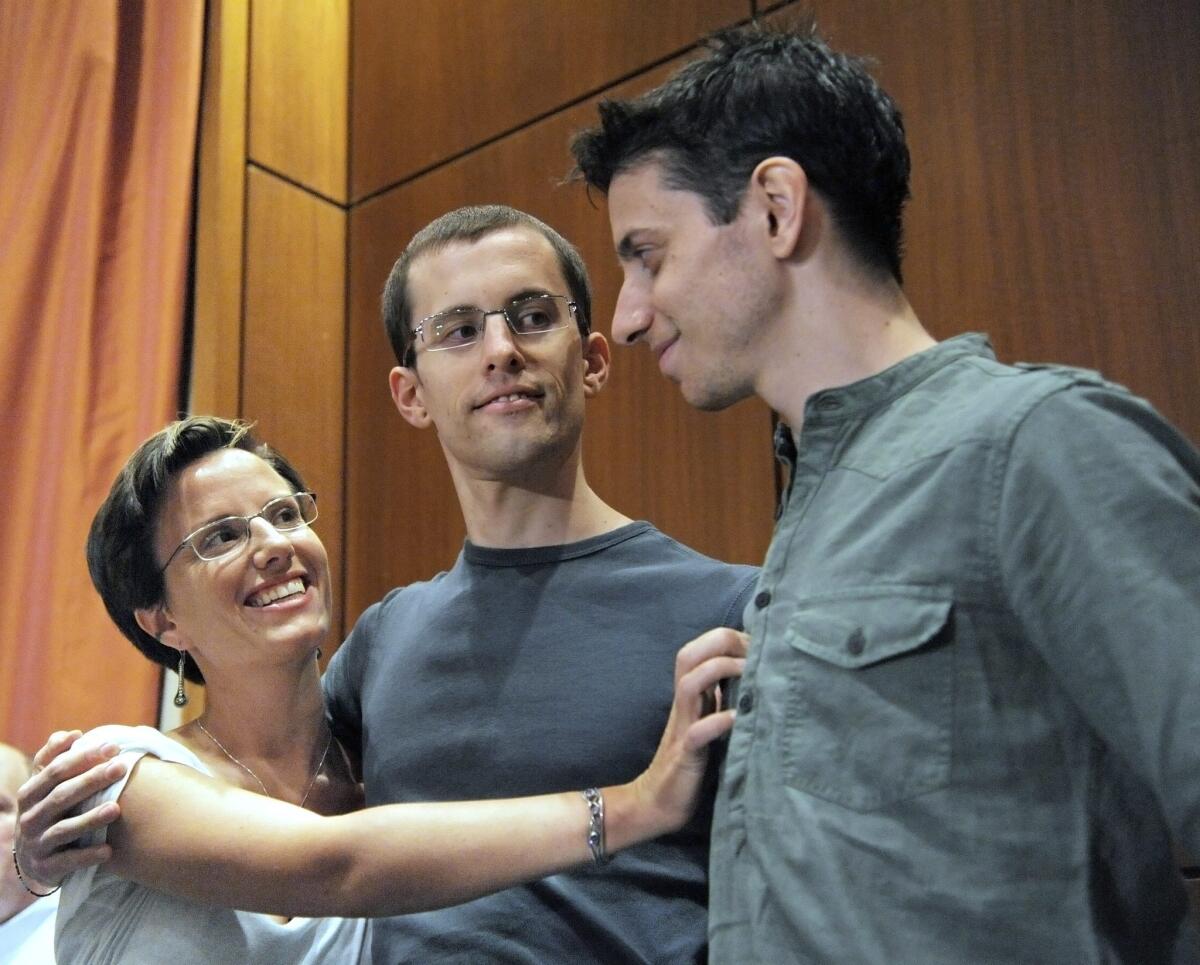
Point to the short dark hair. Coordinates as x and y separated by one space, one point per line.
120 545
470 224
761 92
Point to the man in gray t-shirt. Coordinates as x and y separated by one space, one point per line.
544 657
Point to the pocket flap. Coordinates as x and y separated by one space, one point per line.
859 627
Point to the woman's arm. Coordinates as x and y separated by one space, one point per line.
184 833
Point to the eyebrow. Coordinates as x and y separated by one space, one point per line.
625 247
519 296
223 516
527 293
449 311
635 238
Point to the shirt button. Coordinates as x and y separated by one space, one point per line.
745 703
856 643
763 598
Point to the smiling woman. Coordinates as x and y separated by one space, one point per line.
205 558
245 541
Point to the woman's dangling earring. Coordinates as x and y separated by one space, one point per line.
181 697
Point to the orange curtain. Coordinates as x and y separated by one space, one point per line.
98 118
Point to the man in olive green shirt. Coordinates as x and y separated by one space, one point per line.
969 728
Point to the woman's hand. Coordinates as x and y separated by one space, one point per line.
664 796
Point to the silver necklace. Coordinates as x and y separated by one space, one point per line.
303 800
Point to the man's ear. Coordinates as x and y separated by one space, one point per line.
597 359
157 622
780 187
407 394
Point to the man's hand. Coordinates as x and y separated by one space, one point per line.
62 778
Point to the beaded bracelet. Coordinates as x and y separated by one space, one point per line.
595 832
25 884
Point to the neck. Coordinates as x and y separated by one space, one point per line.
844 330
545 507
271 714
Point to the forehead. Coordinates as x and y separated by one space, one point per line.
640 202
484 273
228 482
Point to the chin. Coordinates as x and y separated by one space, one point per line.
522 450
711 398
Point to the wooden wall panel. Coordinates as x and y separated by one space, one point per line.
1055 186
706 479
432 79
220 202
299 91
294 349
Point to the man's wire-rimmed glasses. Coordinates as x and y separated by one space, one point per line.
461 327
230 533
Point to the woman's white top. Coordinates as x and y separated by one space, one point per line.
28 937
105 919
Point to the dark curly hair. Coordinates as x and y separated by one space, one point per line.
761 92
120 545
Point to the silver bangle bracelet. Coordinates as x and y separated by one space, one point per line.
47 894
595 833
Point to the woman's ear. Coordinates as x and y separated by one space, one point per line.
157 622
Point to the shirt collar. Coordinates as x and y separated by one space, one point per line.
859 398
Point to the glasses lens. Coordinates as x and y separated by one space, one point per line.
533 316
452 329
220 537
528 316
290 512
223 536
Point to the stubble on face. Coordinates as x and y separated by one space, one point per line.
699 284
480 443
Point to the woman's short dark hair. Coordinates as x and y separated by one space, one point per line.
120 545
760 92
469 224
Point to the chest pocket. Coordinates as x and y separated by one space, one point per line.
871 695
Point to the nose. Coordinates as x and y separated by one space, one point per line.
500 349
269 546
632 316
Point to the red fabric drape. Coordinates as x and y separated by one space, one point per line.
98 118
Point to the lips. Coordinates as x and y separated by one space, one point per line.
661 350
511 396
276 593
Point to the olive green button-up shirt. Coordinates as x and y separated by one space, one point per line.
969 726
